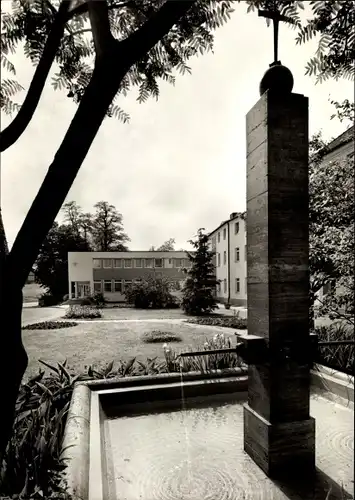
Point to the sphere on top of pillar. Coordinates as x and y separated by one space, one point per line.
278 79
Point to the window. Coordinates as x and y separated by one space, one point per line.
218 287
107 263
108 286
117 263
236 227
225 285
170 261
237 285
148 262
97 286
128 263
127 283
224 233
225 257
219 259
236 254
96 263
138 262
178 263
118 286
158 262
219 237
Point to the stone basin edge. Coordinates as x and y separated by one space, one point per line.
76 441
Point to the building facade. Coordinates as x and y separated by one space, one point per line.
111 272
228 242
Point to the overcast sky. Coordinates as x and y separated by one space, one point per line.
180 163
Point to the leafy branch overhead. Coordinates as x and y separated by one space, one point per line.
332 22
30 23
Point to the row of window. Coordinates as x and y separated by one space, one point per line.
236 231
118 286
138 263
236 285
236 256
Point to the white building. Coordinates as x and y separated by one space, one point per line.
110 272
228 241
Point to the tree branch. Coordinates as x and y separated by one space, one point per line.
16 128
106 79
100 25
82 8
79 32
144 39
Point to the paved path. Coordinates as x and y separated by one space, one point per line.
31 314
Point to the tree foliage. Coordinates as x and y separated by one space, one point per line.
30 22
167 246
51 268
344 111
332 22
331 189
198 292
107 228
102 230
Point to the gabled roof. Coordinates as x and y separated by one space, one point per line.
342 139
236 215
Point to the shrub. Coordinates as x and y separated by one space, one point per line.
49 325
151 293
339 357
224 321
47 300
83 312
32 464
97 299
204 363
85 301
157 336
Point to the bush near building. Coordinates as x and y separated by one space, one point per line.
152 293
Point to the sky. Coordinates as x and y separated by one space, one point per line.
179 164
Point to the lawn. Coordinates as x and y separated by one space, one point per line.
99 342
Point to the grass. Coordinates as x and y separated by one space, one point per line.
92 343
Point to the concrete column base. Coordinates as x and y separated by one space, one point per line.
283 449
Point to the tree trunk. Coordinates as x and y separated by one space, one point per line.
17 265
13 357
108 73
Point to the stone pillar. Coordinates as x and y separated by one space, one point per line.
278 432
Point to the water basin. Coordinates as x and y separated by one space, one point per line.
147 443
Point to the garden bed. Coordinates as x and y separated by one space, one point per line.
96 343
